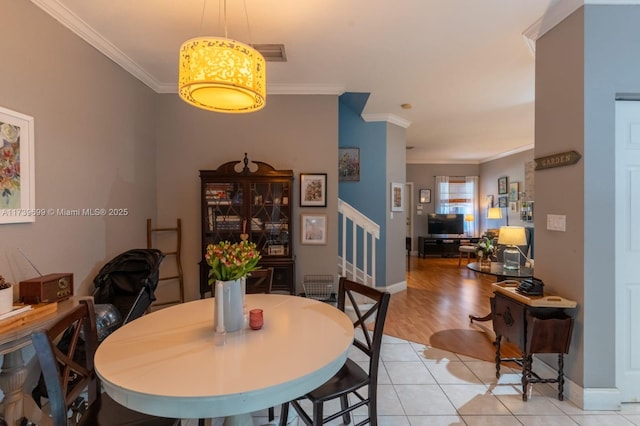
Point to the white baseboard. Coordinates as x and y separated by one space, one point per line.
588 399
397 287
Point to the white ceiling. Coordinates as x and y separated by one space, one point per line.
464 65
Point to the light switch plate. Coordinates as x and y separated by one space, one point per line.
557 222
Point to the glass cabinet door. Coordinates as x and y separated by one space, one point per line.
270 217
224 204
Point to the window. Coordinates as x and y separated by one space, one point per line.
458 195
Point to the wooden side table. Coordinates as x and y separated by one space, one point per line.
536 324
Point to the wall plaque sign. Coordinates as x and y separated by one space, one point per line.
557 160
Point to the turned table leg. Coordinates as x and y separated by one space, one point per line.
12 378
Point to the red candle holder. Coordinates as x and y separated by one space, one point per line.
256 319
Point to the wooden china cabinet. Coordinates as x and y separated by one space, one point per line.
252 198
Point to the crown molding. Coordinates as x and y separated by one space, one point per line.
558 12
304 89
85 32
390 118
508 153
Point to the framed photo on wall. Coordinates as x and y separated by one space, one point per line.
425 196
513 191
502 201
502 185
313 190
313 228
349 164
397 197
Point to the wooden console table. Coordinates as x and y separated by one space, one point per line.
536 324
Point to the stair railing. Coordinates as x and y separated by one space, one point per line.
358 263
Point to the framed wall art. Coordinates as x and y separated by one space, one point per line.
502 185
17 198
313 228
502 201
425 196
397 197
513 191
313 190
349 164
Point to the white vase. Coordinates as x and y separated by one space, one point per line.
229 310
6 300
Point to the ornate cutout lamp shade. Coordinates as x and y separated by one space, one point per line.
512 237
220 74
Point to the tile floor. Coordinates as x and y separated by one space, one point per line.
421 385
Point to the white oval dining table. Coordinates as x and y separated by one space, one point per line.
166 363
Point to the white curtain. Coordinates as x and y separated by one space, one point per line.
472 185
460 196
441 193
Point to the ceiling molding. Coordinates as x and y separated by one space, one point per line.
304 89
391 118
418 161
559 11
508 153
85 32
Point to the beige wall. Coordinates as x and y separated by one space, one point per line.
292 132
94 147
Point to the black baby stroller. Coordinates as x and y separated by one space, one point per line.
129 281
124 290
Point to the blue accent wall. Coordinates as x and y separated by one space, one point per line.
369 195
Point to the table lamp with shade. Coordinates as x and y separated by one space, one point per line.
469 218
494 213
512 237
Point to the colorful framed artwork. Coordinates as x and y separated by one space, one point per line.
17 197
513 191
313 190
502 185
425 196
349 164
397 197
502 201
313 228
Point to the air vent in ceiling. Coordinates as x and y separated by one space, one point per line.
271 52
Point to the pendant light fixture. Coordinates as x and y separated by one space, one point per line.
221 74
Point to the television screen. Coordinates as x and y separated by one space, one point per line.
445 224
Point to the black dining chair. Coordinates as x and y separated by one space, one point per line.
259 281
351 380
68 372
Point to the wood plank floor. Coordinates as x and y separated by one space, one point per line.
435 308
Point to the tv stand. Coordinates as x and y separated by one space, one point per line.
442 246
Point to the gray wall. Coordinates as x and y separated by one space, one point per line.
423 177
396 224
292 132
94 147
513 167
560 127
612 67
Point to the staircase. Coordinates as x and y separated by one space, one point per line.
357 247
